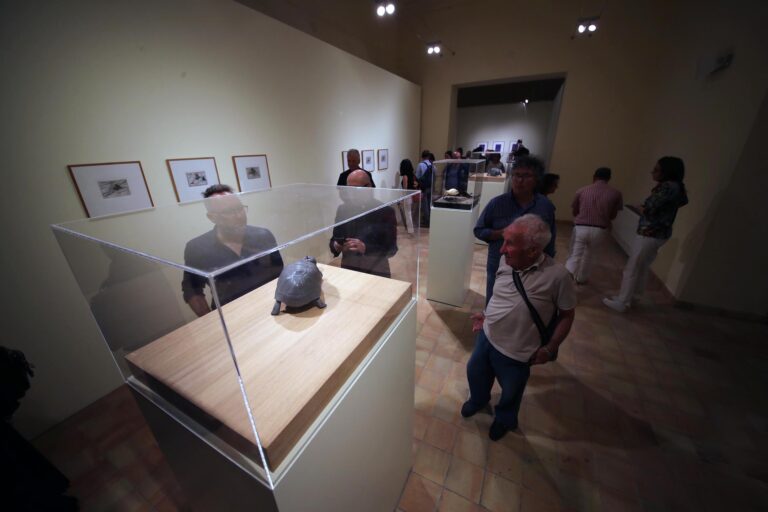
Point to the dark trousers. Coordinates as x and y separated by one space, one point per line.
426 204
487 364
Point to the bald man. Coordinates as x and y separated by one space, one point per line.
365 243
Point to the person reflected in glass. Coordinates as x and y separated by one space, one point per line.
457 175
365 243
230 241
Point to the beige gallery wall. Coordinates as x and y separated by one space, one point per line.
633 93
87 81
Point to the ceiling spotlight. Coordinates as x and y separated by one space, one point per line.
586 26
437 49
390 8
431 50
526 101
434 48
582 28
381 10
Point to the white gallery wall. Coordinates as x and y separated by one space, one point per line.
87 81
507 122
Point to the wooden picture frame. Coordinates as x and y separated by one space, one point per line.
111 187
252 172
368 160
191 176
382 158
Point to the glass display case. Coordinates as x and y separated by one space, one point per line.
184 297
451 184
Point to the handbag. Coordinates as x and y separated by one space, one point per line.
544 331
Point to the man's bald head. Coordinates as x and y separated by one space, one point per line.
358 178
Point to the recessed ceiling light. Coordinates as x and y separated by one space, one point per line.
390 8
582 28
592 27
381 10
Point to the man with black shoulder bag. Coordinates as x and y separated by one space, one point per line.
529 315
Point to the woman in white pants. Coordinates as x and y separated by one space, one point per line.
658 213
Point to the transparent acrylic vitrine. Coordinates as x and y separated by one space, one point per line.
452 187
183 296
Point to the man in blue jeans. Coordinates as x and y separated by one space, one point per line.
508 341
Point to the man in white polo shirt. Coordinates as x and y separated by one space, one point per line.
508 341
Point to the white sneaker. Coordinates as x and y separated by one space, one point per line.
615 304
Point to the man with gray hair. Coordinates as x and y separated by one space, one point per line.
509 339
526 175
353 163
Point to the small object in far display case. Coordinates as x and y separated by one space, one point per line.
454 185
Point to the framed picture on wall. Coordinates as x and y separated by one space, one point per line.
191 176
367 160
481 147
112 187
383 159
344 165
498 146
252 172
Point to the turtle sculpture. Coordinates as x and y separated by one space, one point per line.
299 285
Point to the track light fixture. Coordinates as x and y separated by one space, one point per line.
586 26
434 49
384 8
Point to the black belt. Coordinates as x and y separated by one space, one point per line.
590 226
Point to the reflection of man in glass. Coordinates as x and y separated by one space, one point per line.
457 175
230 241
365 243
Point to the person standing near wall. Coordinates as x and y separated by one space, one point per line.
502 210
424 173
353 162
657 214
594 207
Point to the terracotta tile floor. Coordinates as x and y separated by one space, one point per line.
658 409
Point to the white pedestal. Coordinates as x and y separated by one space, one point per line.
450 254
355 456
492 187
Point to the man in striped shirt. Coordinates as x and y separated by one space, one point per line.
594 207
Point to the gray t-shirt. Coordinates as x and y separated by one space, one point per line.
508 323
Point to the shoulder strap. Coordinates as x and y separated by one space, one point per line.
534 314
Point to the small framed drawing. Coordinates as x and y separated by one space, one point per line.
191 176
481 147
368 164
109 188
383 159
344 165
498 146
252 172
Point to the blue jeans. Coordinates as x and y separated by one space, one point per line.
487 364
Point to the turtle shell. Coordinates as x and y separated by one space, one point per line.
299 283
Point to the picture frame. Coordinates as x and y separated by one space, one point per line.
344 160
498 146
367 161
191 176
252 172
383 159
111 187
482 146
